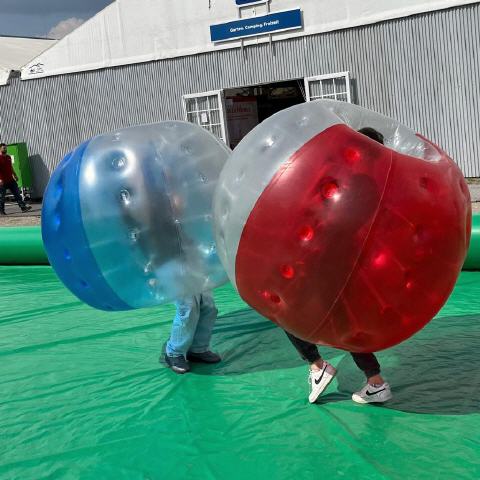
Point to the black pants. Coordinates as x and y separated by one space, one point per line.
366 362
13 187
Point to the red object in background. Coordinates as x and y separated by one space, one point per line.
354 245
6 169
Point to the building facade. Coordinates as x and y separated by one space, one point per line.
421 68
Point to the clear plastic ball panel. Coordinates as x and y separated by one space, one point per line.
398 137
257 158
145 196
65 241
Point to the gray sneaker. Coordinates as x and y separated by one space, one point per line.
203 357
177 364
371 394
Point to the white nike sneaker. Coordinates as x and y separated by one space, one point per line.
319 380
371 394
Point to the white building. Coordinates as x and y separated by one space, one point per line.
15 52
228 66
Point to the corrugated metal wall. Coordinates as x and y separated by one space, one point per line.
423 70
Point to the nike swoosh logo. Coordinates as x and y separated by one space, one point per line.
319 380
374 393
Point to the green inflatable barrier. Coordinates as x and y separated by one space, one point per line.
472 262
24 246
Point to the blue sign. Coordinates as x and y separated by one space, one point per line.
250 27
240 3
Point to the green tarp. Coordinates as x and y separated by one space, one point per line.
82 396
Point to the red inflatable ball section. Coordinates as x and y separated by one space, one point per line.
354 245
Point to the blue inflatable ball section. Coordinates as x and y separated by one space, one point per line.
127 216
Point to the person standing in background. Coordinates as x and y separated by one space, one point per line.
8 181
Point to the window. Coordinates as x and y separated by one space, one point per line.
207 110
334 86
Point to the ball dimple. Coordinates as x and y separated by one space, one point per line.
274 298
329 189
125 197
268 143
83 283
225 212
187 149
302 122
420 234
352 155
287 271
240 176
306 233
119 163
58 190
406 321
56 221
379 259
133 234
147 269
427 184
408 280
271 297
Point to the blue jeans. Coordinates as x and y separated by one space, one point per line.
192 326
13 187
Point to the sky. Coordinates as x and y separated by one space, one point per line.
46 18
